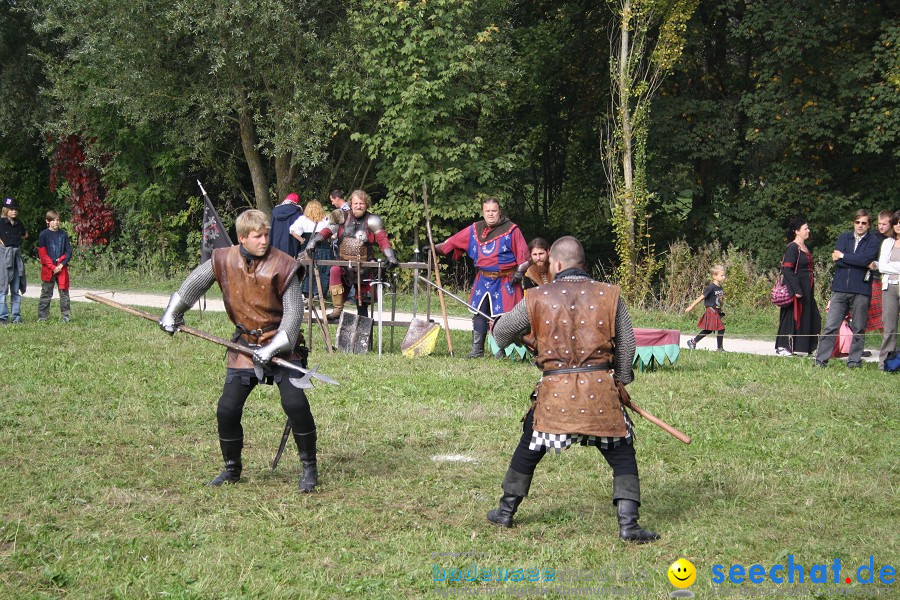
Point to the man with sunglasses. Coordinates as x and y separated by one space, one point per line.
853 254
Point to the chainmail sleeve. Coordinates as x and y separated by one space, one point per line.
625 344
196 284
512 325
292 319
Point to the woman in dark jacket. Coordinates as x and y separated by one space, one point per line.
799 322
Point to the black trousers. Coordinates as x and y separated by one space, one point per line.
234 395
479 322
524 460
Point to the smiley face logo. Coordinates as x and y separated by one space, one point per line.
682 573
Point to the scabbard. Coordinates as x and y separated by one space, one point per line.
284 440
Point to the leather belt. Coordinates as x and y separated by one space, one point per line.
584 369
240 331
497 274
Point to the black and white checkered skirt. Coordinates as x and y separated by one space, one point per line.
563 441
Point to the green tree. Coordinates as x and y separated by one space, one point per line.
24 170
647 44
422 83
202 76
777 109
556 80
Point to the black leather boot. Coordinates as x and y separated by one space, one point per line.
629 530
503 514
627 498
478 338
515 488
306 446
231 452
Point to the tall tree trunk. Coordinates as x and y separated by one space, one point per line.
637 69
284 175
254 160
362 184
624 93
336 168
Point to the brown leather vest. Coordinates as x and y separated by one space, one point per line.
574 323
253 298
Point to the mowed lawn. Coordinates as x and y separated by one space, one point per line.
107 434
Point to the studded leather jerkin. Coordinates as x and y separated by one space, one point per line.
253 296
356 237
574 323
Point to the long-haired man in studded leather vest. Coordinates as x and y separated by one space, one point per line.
356 232
261 289
585 342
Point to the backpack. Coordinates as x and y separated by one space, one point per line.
892 362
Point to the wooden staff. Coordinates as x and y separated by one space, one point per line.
312 305
625 398
212 338
437 271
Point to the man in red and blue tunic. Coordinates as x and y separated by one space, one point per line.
497 246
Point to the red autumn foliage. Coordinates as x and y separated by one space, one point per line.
92 218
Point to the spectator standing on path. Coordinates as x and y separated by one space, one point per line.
889 265
283 216
713 298
12 265
799 322
873 321
853 255
55 252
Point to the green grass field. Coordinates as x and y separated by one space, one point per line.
108 434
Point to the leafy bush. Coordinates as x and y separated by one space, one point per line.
747 285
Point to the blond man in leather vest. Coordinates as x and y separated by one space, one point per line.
585 342
262 295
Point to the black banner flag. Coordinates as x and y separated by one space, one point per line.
214 233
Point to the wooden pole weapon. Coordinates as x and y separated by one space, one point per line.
437 271
625 398
214 339
312 305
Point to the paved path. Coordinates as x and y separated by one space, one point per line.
216 305
732 344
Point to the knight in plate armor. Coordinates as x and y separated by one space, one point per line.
355 232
